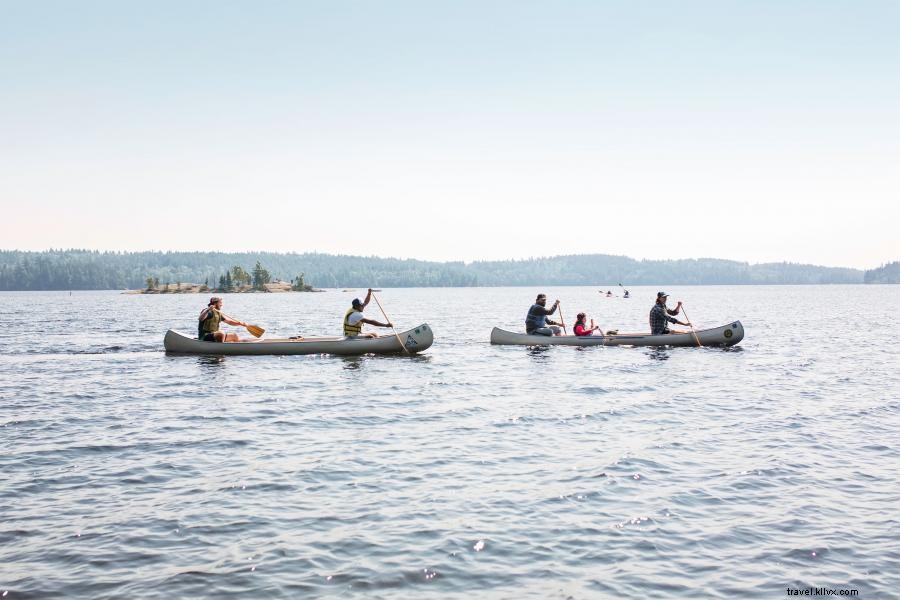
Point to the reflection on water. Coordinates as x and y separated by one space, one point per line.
539 352
209 360
658 352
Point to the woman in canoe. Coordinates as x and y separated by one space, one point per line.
581 329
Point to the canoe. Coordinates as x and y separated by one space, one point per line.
415 340
726 335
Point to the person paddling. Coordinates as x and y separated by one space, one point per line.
581 329
209 320
354 319
660 316
536 321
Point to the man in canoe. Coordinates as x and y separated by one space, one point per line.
210 318
660 316
354 319
536 321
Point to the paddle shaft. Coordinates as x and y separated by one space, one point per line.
246 326
388 319
562 320
696 339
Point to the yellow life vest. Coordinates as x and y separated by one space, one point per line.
351 330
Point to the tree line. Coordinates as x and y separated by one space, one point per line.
95 270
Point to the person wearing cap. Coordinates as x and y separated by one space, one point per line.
581 329
210 318
536 321
354 319
660 316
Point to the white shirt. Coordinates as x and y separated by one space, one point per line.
355 317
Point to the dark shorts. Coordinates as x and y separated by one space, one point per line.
208 337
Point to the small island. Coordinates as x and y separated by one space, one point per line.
235 281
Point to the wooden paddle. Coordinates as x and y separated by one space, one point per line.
696 339
255 330
562 320
388 319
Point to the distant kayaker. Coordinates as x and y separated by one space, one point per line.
210 318
581 329
660 315
536 321
354 319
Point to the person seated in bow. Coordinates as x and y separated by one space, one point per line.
581 329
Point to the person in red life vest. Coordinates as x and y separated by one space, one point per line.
582 329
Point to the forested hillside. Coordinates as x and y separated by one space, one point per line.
889 273
93 270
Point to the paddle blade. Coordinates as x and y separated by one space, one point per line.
255 330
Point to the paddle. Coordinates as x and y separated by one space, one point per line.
696 339
255 330
388 319
562 321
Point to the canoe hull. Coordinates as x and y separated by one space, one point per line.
415 340
726 335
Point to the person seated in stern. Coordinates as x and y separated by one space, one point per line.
660 316
209 320
581 329
536 321
354 319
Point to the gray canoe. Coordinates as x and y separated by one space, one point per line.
414 340
726 335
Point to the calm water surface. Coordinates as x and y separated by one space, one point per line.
502 472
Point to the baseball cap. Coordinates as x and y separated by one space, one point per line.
213 300
356 302
661 295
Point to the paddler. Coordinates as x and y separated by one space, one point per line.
536 321
210 318
354 319
660 316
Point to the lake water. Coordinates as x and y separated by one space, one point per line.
471 470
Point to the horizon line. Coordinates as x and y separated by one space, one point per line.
464 262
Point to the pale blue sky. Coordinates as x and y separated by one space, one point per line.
754 131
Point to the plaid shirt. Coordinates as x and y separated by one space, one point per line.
658 318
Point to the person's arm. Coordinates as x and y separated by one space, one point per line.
675 311
376 323
676 321
552 310
234 322
368 298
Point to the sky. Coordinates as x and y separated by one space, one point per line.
755 131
